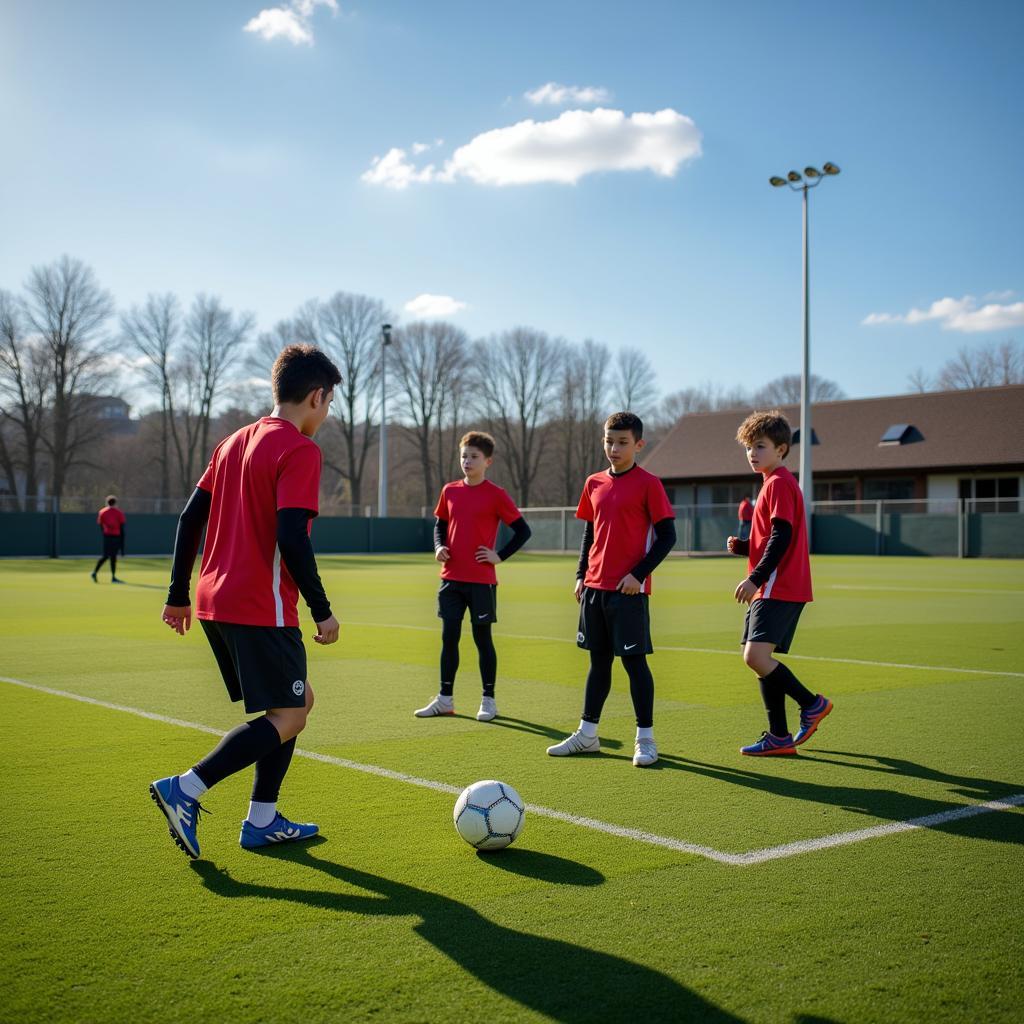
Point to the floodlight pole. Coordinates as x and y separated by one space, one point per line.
382 476
806 430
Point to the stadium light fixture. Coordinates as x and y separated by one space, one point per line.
814 178
382 448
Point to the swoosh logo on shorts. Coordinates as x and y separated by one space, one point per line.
628 647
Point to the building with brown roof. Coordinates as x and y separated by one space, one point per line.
938 446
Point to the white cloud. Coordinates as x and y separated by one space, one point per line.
577 143
999 296
394 170
557 95
964 315
427 305
292 21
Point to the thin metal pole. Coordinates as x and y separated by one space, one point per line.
806 430
382 482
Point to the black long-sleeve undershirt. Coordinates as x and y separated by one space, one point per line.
297 554
191 523
664 541
521 533
292 540
778 544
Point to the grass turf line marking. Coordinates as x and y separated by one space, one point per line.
733 859
712 650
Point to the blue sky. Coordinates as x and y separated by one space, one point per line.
171 149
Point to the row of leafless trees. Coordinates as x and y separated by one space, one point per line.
62 347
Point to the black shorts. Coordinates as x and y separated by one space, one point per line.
111 545
455 597
772 622
263 665
614 623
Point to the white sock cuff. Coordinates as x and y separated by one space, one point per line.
191 785
588 728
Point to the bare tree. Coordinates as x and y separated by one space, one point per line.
704 397
348 327
583 392
919 381
636 386
987 366
428 356
68 309
786 390
153 331
214 338
517 385
23 397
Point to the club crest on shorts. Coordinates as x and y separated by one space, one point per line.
298 687
580 638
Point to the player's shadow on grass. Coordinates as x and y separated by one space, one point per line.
521 725
887 804
562 981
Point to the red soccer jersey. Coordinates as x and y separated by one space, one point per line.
623 509
473 514
111 520
266 466
780 498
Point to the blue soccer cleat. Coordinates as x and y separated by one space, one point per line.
280 830
770 746
181 811
810 719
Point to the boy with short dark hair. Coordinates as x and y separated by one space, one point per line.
256 499
466 522
110 520
778 584
620 506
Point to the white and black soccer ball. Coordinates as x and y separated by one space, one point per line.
489 815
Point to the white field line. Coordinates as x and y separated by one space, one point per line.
920 590
720 856
711 650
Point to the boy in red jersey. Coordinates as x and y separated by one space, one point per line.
256 499
465 529
110 520
620 506
778 585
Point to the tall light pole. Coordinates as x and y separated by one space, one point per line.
797 184
382 481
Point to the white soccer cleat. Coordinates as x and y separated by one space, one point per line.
577 743
438 706
644 753
488 709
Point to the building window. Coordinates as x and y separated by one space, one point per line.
893 489
731 494
835 490
991 494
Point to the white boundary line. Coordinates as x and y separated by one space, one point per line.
711 650
719 856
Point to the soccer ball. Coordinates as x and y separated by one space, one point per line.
489 815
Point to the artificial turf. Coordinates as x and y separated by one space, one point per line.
390 917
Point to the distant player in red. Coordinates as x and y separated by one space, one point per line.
745 512
629 528
111 522
778 585
257 500
467 518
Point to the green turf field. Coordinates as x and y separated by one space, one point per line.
391 917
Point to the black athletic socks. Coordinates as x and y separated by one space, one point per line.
488 656
641 688
774 703
791 686
243 746
599 685
270 773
